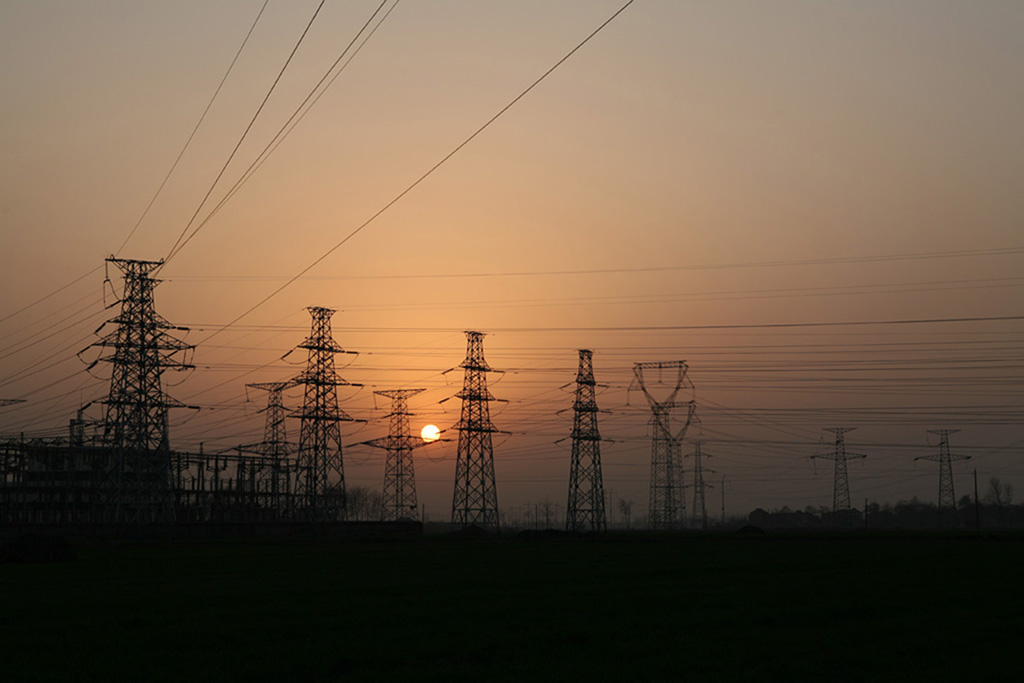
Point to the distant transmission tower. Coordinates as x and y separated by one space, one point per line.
475 499
399 500
667 501
135 421
275 445
320 473
841 512
947 497
585 510
700 509
275 439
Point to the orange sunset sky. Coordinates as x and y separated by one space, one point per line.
695 176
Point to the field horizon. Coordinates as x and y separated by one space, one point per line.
774 606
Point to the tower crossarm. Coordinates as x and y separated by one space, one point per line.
640 383
939 457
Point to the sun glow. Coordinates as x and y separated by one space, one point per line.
430 433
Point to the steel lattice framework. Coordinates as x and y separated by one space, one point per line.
585 510
399 499
667 507
475 499
320 472
947 496
275 436
135 420
274 479
700 509
842 515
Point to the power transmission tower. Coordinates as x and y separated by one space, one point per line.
275 439
135 420
275 444
320 472
700 509
585 510
475 499
947 497
667 501
842 515
399 501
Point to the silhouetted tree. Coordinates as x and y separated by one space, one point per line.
626 508
999 494
363 504
546 508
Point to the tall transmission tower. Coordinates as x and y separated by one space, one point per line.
842 515
585 510
475 499
399 501
947 497
135 420
700 509
320 472
667 508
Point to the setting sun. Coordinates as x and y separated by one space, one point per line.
430 433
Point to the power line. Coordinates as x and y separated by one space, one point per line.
654 269
192 135
294 119
426 175
51 294
245 133
162 184
647 328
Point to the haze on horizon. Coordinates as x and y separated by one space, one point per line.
695 176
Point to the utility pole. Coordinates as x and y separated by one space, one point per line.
475 497
667 504
723 501
135 422
320 471
610 506
977 510
841 513
947 496
585 510
399 500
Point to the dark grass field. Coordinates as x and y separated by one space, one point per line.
629 608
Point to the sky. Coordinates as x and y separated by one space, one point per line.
692 181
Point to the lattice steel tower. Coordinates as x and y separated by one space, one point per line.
275 480
947 497
700 509
842 515
585 509
320 472
135 419
667 508
275 438
475 500
399 501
